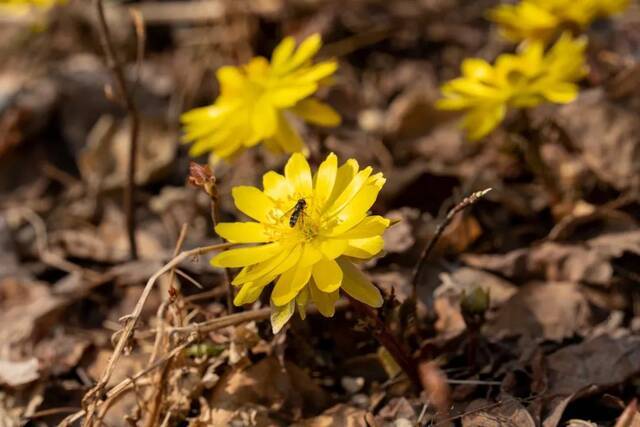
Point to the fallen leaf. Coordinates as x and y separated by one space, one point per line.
601 361
15 374
551 311
339 415
507 412
606 136
630 417
287 389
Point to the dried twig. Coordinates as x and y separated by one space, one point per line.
125 384
132 111
90 399
223 322
201 176
466 202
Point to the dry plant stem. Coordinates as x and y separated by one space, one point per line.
466 202
215 218
132 111
127 383
90 399
531 146
223 322
388 341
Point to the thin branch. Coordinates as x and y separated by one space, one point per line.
132 111
466 202
223 322
127 383
90 399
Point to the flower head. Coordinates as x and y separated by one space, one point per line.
24 7
526 79
255 100
306 247
543 19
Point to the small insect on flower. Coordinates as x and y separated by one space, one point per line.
298 210
310 254
531 77
544 19
257 100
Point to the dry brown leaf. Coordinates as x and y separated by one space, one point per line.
604 360
551 311
630 417
339 415
18 373
508 412
606 135
103 162
286 389
589 262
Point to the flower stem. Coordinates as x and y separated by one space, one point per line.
388 341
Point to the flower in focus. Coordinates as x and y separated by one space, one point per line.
308 252
543 19
256 99
526 79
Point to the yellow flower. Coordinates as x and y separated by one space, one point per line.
526 79
543 19
24 7
307 252
255 101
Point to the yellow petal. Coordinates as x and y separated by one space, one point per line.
325 302
355 211
364 248
283 51
280 315
344 176
272 267
298 173
246 256
369 227
316 112
311 254
232 81
333 248
481 122
301 302
289 284
264 120
327 275
287 95
287 137
561 93
243 232
276 186
249 292
315 73
476 68
350 191
358 286
324 180
253 203
307 49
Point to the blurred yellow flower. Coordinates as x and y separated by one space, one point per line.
24 7
308 230
526 79
256 98
543 19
